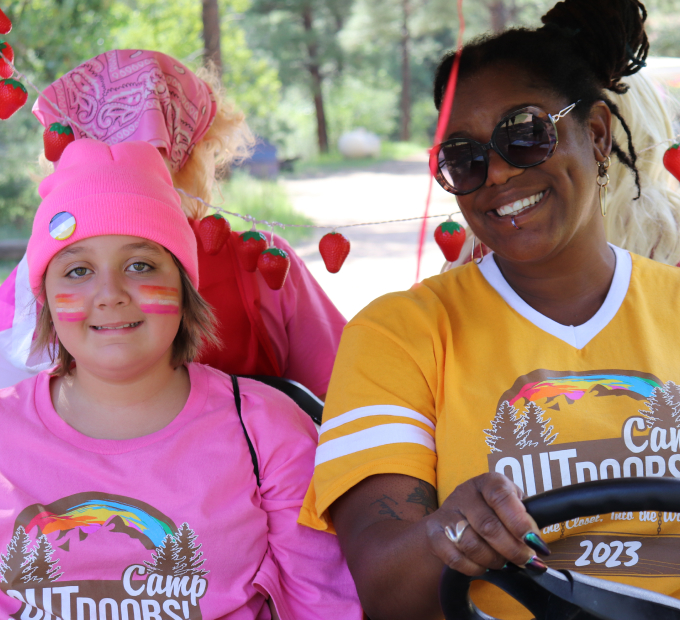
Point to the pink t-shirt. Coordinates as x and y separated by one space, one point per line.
167 526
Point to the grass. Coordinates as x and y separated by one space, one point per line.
264 200
333 161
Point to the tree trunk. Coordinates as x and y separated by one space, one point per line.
501 12
405 130
317 79
211 35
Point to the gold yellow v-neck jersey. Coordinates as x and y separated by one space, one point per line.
446 381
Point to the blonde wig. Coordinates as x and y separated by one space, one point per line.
650 225
228 140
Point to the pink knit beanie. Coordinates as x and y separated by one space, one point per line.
124 189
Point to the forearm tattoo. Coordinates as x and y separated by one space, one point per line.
426 495
385 505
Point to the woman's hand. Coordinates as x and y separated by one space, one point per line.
483 524
394 538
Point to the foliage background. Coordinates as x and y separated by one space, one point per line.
265 51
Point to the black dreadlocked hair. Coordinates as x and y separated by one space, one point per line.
583 48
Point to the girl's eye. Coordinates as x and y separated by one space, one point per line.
78 272
139 267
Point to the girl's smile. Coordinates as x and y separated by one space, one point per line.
117 302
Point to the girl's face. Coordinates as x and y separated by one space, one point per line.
562 190
116 304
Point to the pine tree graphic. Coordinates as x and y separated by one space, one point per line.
494 438
524 430
655 407
40 566
531 428
165 560
671 397
188 553
11 564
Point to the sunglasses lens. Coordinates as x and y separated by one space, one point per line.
463 165
525 139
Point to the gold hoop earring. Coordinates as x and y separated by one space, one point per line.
602 180
472 252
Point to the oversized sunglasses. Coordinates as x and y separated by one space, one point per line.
524 138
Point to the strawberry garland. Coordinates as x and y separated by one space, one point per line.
450 237
13 94
671 160
55 139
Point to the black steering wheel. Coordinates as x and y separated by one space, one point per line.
566 595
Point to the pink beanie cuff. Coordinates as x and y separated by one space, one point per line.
99 190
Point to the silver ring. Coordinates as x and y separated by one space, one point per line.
461 526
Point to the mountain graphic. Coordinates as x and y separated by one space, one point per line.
85 518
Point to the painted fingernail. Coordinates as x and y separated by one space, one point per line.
535 565
535 542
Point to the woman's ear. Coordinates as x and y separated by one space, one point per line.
600 124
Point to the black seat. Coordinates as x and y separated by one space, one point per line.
308 402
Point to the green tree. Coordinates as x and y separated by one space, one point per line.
301 38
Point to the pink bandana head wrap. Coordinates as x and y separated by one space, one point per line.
126 95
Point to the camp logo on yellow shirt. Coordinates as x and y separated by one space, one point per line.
642 423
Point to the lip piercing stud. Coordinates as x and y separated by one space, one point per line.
515 225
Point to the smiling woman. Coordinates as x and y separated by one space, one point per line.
451 401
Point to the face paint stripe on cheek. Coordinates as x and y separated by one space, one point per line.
159 299
69 307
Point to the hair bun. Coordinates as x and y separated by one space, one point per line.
608 34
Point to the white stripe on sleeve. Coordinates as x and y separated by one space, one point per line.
373 410
382 435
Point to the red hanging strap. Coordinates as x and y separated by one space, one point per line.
442 123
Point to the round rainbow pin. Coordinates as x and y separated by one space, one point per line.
62 226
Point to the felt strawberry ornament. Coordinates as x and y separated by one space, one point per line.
334 249
274 265
450 237
671 159
5 23
213 231
249 246
6 68
12 96
55 139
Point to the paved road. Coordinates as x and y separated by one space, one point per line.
383 258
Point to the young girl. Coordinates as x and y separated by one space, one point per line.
134 484
123 95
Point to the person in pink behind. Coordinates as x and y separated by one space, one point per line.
135 482
124 95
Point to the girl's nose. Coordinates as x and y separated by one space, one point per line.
112 290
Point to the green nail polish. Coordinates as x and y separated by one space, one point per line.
535 542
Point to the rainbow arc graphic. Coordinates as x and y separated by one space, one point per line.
90 516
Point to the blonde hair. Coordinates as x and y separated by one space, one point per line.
228 140
649 226
197 329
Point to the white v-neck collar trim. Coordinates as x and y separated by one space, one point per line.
577 336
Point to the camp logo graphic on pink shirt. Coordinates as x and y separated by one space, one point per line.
43 563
